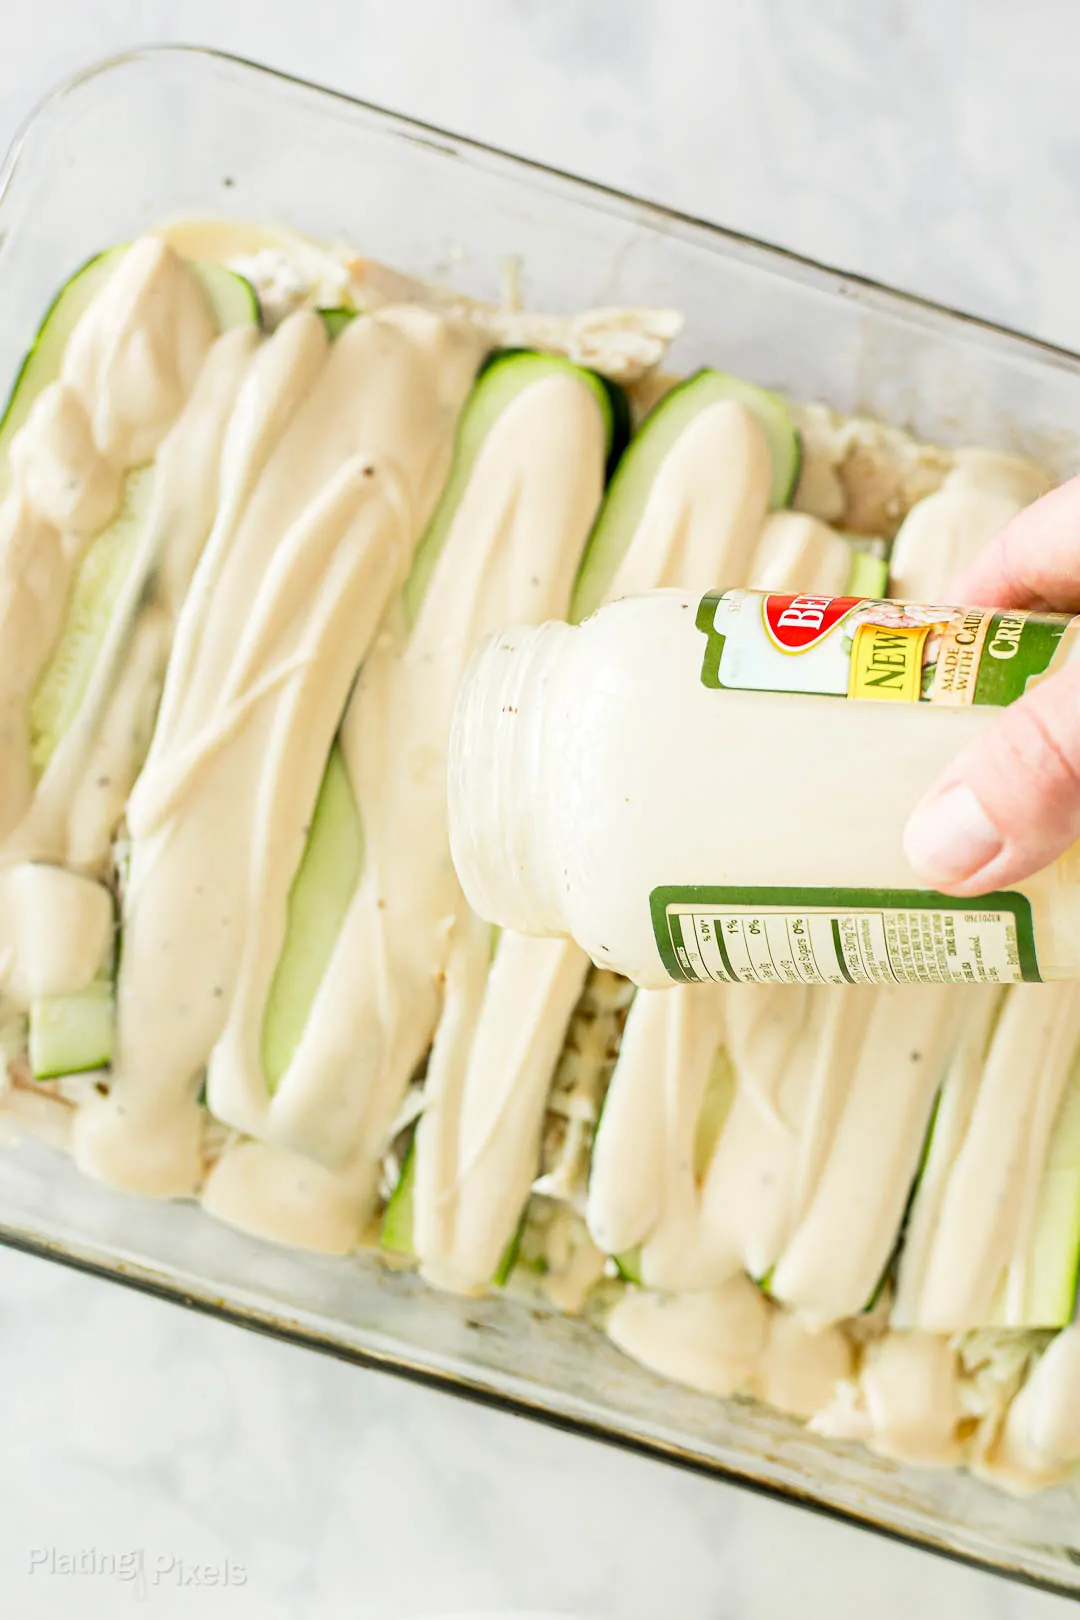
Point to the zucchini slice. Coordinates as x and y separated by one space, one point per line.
628 1266
231 298
1052 1262
336 320
104 567
97 587
41 363
71 1034
321 891
397 1225
636 472
331 864
504 377
869 576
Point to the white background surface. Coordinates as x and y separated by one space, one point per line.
931 143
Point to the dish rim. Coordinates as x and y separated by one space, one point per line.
827 278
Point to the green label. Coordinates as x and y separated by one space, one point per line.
842 936
1017 646
878 651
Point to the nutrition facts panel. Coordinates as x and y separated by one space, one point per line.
905 938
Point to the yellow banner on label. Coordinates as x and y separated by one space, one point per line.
886 662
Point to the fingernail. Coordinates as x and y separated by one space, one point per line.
950 837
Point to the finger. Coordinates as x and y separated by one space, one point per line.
1010 803
1033 562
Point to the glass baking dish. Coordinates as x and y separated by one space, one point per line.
165 132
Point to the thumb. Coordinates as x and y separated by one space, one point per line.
1010 803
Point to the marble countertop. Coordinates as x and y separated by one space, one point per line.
319 1491
931 143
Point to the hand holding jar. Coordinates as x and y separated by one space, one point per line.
1009 804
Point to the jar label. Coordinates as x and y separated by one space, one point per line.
884 652
842 936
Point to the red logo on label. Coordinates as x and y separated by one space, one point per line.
797 623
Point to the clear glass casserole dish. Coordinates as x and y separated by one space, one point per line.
163 133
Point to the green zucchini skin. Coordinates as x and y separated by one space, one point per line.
396 1236
636 472
319 898
73 1034
336 320
230 296
503 378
